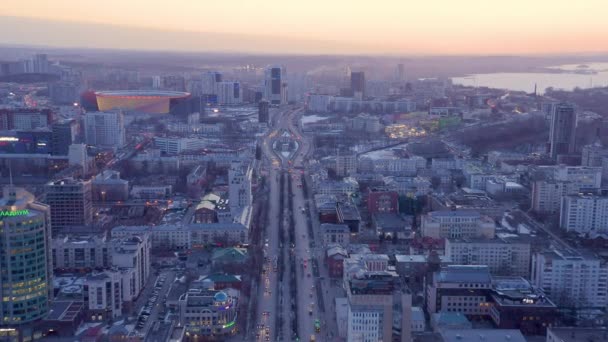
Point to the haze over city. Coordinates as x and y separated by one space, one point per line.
290 171
313 27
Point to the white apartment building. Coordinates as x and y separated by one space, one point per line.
105 129
184 127
183 237
177 145
584 178
571 279
371 300
406 186
103 295
446 164
503 256
365 324
592 155
239 187
584 213
547 195
351 104
80 252
392 165
318 103
132 253
457 224
347 186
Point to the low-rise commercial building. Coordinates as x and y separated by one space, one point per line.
208 313
457 224
335 234
189 235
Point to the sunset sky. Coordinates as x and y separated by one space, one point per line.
313 26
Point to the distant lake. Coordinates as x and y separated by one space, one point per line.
573 75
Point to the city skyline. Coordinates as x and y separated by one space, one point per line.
394 28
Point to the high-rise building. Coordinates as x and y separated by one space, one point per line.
563 130
593 154
64 92
229 93
357 84
40 63
570 278
25 264
64 134
25 118
584 213
70 202
156 82
400 72
263 111
210 80
547 195
174 83
105 129
275 88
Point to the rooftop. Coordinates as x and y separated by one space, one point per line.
64 310
450 318
574 334
518 291
489 335
142 93
229 254
464 274
325 227
454 213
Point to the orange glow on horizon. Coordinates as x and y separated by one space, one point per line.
336 26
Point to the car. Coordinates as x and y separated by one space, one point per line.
308 275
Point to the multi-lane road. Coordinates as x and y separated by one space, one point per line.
291 303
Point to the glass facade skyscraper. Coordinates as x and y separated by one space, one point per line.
25 264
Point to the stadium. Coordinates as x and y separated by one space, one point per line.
140 101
